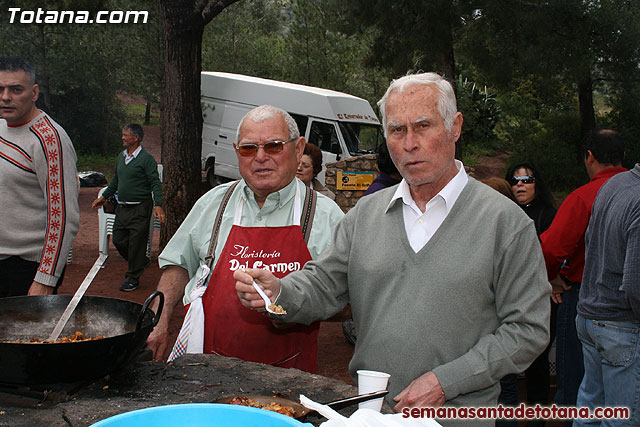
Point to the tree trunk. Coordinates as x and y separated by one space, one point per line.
446 58
105 122
587 113
183 24
449 67
43 75
181 116
147 113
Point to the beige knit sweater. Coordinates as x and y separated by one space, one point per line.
39 215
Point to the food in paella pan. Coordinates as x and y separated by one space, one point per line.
271 406
76 337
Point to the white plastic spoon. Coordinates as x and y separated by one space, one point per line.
267 301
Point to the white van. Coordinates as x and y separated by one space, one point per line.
341 125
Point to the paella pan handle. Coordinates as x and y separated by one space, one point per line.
146 305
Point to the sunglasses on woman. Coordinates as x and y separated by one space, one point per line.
525 179
250 149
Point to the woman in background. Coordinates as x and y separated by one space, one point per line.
532 194
536 200
309 167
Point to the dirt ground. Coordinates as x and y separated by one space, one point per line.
490 166
334 351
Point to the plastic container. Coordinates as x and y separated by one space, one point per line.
200 415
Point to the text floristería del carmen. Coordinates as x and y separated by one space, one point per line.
247 258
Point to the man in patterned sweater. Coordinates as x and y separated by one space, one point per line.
38 188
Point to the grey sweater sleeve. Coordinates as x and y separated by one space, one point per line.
319 290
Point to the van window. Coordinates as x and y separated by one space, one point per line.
360 138
301 121
325 137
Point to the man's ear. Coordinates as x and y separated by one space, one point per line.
36 92
456 129
589 158
300 143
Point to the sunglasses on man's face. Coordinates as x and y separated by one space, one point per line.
250 149
525 179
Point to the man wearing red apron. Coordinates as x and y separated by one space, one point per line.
231 329
257 223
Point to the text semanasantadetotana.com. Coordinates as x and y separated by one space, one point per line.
521 412
41 16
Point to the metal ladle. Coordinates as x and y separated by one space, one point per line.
76 298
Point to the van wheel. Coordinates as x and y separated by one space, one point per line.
212 179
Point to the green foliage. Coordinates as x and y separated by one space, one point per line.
134 113
93 126
410 35
296 41
551 149
525 105
472 153
532 55
481 113
326 57
625 118
97 162
246 38
544 58
81 67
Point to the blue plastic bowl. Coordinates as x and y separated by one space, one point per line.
200 415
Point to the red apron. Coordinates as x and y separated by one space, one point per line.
233 330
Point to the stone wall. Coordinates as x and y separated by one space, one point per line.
347 199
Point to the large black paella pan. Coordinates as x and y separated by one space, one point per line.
124 324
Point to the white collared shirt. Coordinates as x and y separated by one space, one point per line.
128 158
420 227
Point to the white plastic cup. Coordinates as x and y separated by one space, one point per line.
369 382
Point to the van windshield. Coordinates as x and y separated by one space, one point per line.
361 138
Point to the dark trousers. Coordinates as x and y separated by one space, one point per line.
569 362
537 375
130 236
537 380
16 276
508 397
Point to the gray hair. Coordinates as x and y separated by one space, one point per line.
446 103
265 112
135 129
